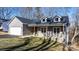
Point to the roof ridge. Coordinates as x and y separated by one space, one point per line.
21 17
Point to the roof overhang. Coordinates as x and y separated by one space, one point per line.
54 24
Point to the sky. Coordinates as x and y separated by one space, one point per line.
59 10
45 9
70 11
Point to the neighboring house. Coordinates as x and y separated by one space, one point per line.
5 26
2 21
47 26
0 24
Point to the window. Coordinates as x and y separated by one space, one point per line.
56 19
56 29
43 19
43 30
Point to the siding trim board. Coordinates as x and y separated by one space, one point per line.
56 24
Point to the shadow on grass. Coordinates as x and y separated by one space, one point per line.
47 43
37 48
48 46
31 49
17 46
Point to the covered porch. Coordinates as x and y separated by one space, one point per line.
46 30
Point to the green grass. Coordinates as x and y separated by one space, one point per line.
56 47
26 44
48 45
34 42
46 42
9 42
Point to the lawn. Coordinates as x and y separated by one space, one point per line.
33 43
26 44
56 47
19 43
9 42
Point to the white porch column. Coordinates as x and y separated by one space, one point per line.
34 31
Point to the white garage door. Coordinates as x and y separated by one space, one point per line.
15 30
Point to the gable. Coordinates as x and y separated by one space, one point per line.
57 19
15 22
44 20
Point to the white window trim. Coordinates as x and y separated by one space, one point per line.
58 19
44 21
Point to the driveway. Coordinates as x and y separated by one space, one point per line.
7 36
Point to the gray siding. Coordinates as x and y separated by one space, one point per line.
26 30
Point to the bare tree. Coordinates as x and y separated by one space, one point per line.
38 13
26 12
66 30
50 11
76 21
5 12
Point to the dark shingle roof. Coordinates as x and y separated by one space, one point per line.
24 20
64 19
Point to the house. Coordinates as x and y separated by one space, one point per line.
0 24
47 26
3 24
